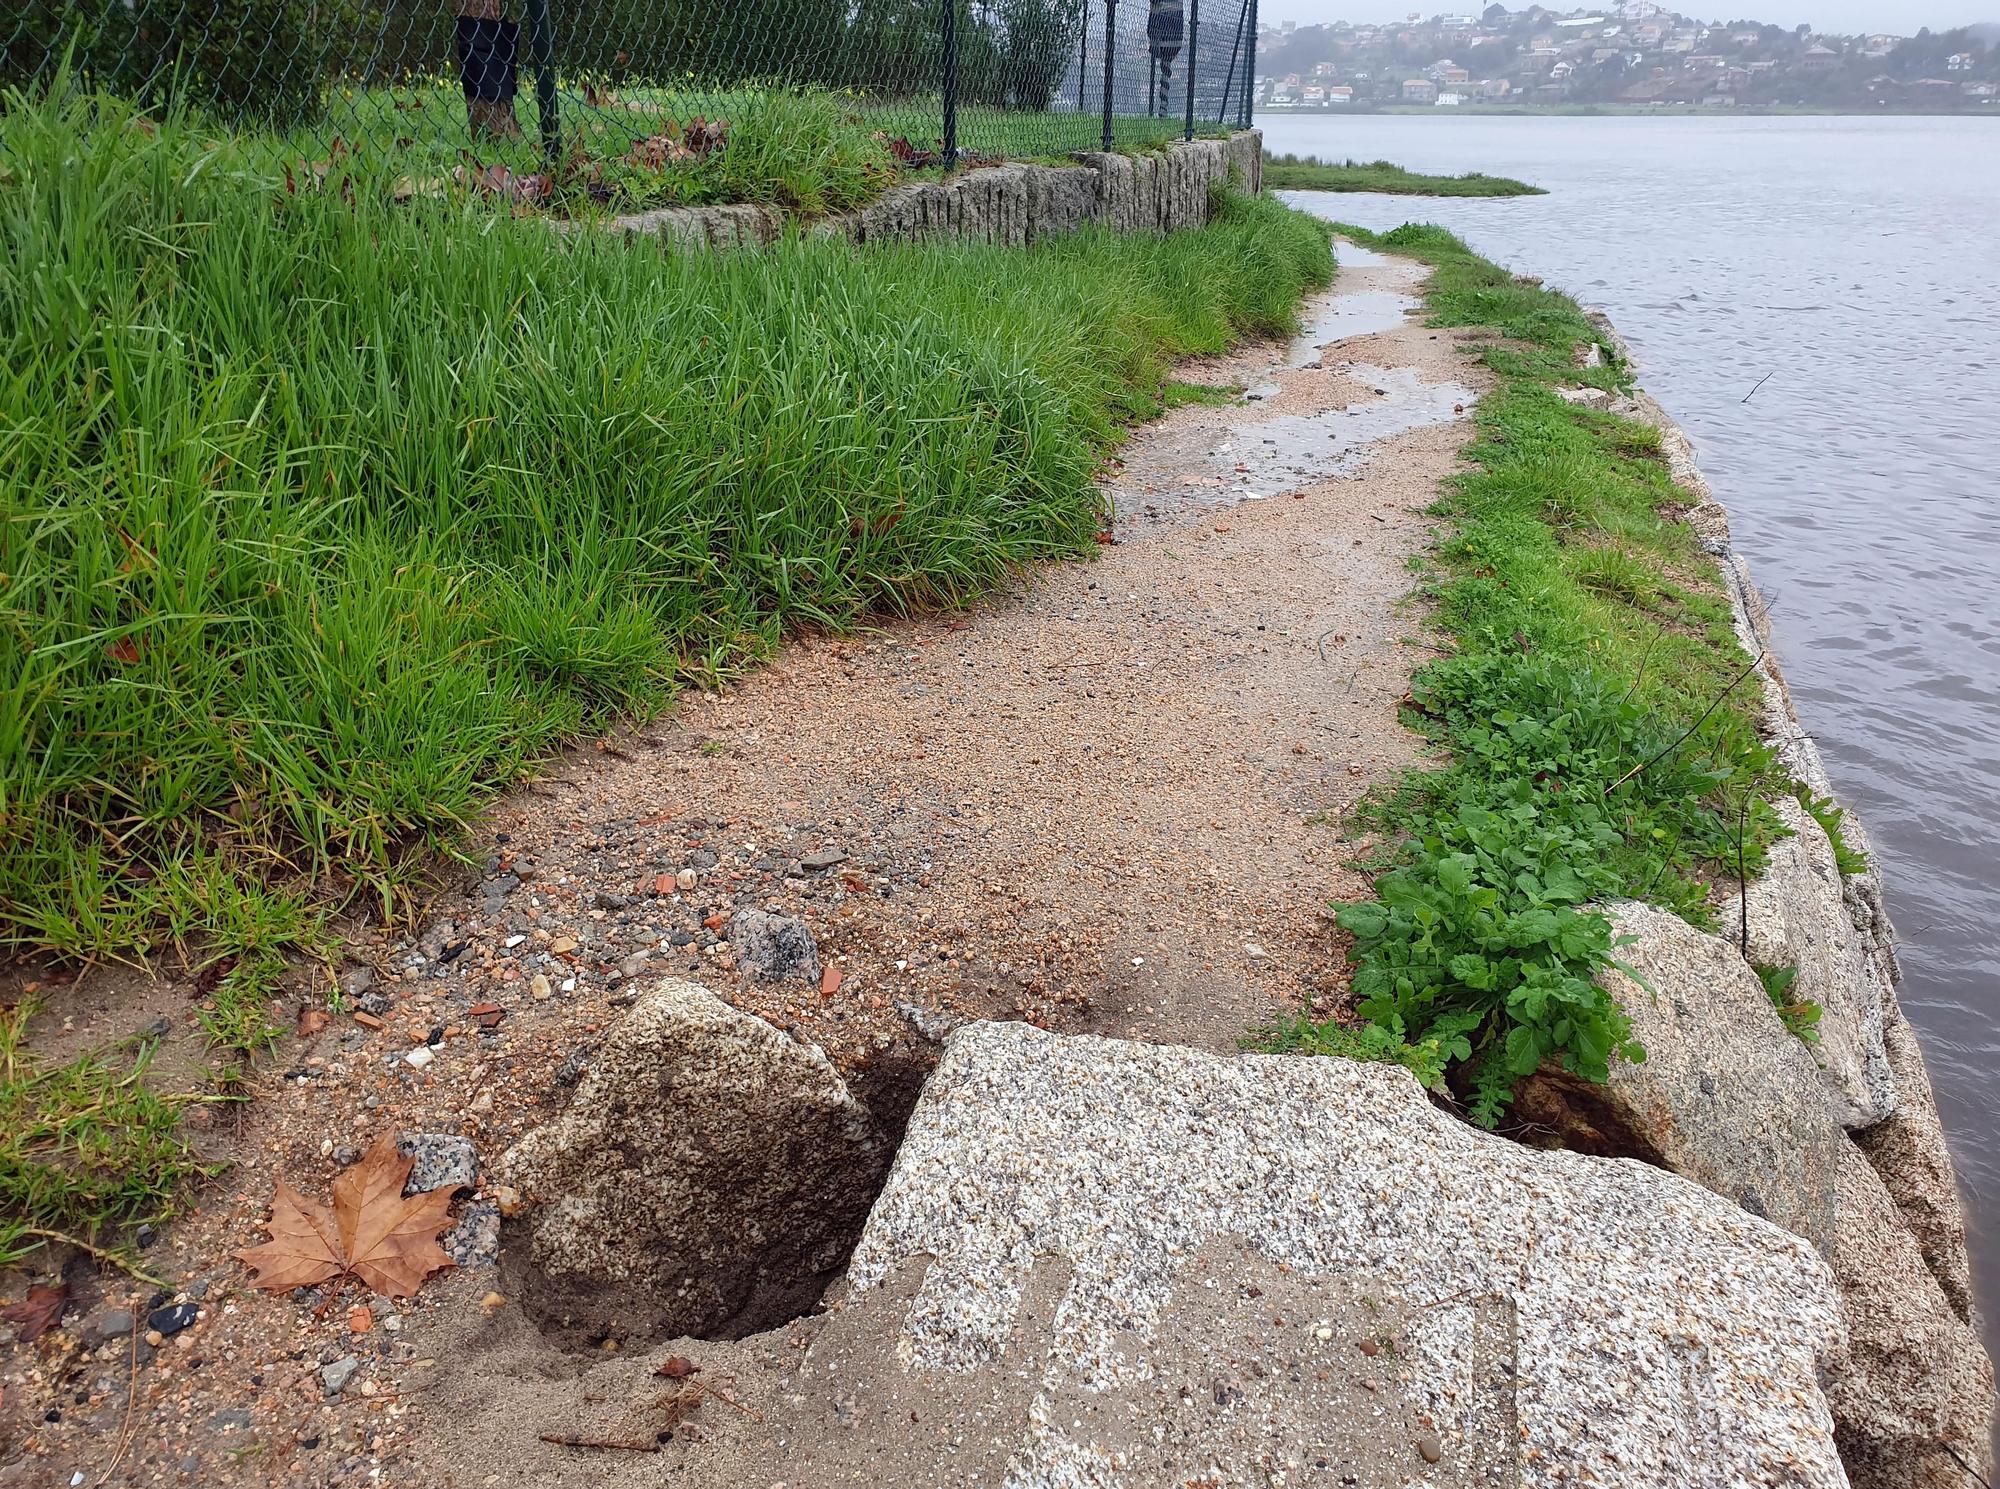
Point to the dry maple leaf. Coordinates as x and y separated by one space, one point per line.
370 1230
39 1312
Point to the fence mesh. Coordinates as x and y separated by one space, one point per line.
640 94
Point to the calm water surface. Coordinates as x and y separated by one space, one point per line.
1857 263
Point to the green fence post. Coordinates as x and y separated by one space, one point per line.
542 52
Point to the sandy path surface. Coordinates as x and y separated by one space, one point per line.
1102 802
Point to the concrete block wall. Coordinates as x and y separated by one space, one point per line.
1010 205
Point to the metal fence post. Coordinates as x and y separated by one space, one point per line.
542 52
1110 59
1194 43
950 82
1250 67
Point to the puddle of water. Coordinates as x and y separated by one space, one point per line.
1354 256
1364 313
1293 451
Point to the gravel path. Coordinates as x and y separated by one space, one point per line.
1102 802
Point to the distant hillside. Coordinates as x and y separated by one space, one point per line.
1633 53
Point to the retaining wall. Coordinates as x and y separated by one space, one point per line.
1011 205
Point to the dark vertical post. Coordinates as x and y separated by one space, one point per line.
542 53
950 83
1110 60
1250 66
1152 80
1193 48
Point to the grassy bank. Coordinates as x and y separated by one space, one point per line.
325 514
1597 714
810 151
1305 173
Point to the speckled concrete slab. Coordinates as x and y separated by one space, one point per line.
1653 1333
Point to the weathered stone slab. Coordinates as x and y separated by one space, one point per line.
709 1177
1730 1098
1012 204
1799 917
1654 1333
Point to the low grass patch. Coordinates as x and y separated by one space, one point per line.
87 1148
1307 173
325 513
1596 711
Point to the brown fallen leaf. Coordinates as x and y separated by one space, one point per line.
370 1230
39 1312
311 1021
677 1367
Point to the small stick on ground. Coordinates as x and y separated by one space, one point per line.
131 1400
617 1444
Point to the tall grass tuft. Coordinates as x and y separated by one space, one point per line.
323 515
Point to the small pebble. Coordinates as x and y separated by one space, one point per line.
1429 1448
170 1320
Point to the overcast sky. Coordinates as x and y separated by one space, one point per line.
1902 17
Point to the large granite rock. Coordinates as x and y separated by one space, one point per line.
708 1178
1730 1098
1909 1153
1146 1264
1800 917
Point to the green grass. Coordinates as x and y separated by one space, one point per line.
87 1148
1306 173
1594 710
809 151
325 515
1800 1015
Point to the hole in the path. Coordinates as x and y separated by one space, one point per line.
777 1207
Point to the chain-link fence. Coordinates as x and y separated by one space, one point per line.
657 82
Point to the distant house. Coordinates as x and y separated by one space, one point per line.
1935 89
1561 71
1978 90
1707 62
1341 93
1449 100
1819 59
1958 62
1313 97
1879 45
1494 88
1419 90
